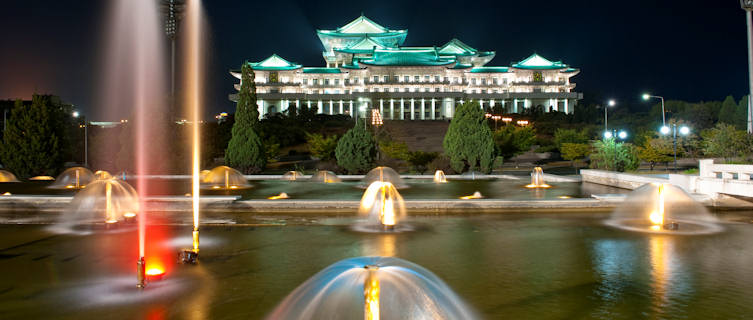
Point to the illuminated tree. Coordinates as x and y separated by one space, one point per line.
245 150
468 142
32 140
356 150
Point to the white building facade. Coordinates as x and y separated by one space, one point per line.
367 67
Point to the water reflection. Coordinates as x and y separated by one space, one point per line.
384 245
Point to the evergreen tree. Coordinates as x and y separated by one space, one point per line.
468 142
742 114
728 113
245 150
356 150
31 144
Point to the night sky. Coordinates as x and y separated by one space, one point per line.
689 50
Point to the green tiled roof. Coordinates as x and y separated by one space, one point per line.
536 61
321 70
398 57
274 62
489 70
457 47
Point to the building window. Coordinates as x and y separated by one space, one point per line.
386 78
426 78
326 82
416 78
483 81
355 79
495 81
504 80
337 82
314 81
376 79
305 81
436 79
456 80
473 81
396 78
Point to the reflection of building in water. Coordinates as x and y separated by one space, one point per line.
367 67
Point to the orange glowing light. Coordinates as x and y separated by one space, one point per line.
475 195
6 194
129 215
111 221
233 187
538 186
657 216
279 196
216 187
42 178
371 294
154 272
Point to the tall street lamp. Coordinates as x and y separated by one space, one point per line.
610 103
647 96
684 130
747 5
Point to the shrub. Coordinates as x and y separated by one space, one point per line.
356 150
468 142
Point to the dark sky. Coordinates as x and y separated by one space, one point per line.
691 50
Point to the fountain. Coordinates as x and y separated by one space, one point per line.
135 84
73 178
383 206
475 195
383 174
292 175
325 177
373 288
42 178
109 201
224 178
102 175
537 179
439 177
7 176
282 195
662 208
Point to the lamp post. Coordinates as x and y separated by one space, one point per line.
684 130
747 5
85 126
610 103
647 96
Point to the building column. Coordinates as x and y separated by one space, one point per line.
481 103
567 107
351 108
261 108
433 109
423 109
319 106
412 109
402 109
341 107
392 109
381 108
308 104
515 105
331 108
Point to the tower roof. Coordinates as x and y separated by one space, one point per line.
457 47
274 62
536 61
362 24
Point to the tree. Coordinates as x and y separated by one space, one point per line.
321 147
724 141
655 150
395 149
32 141
420 159
728 113
742 114
574 151
245 150
468 142
562 136
356 150
512 140
611 155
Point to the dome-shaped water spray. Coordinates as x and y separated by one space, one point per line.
439 177
383 207
110 201
7 176
662 208
292 176
73 178
373 288
537 179
224 178
383 174
325 177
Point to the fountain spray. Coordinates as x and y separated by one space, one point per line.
371 293
194 66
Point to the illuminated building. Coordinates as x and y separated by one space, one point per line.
367 67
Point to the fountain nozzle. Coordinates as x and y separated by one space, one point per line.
141 273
